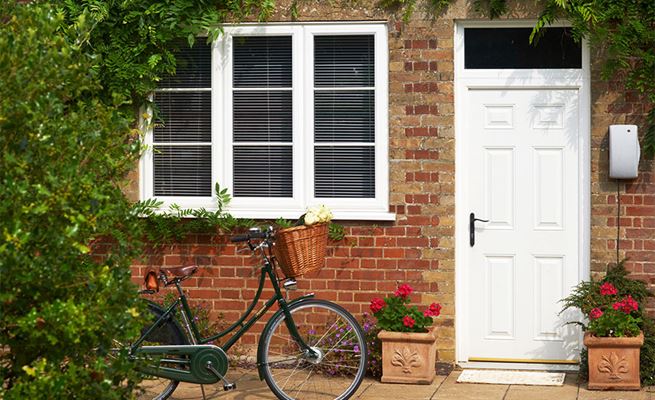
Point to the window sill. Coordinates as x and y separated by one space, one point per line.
337 215
344 215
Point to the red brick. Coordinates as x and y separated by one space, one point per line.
419 44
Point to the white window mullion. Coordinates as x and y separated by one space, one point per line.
382 119
218 125
308 82
299 110
226 96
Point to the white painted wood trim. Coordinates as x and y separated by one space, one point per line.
529 79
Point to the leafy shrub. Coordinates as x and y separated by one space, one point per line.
588 295
63 156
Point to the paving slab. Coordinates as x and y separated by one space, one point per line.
249 387
377 390
451 390
585 394
568 391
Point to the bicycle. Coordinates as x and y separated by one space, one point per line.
309 348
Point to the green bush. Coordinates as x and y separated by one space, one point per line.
63 156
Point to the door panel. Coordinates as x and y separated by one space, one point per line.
522 177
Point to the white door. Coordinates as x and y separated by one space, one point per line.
522 174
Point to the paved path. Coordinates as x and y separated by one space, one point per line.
443 388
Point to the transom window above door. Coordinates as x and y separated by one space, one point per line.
510 48
283 116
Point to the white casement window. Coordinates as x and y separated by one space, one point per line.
284 116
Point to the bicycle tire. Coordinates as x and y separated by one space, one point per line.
169 333
328 328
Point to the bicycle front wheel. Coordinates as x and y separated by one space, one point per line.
336 367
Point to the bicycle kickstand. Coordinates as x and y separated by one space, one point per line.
226 385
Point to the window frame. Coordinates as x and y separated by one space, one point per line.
303 128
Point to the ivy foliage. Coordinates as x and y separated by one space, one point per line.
136 40
408 7
162 227
625 31
622 30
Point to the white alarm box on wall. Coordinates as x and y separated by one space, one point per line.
624 151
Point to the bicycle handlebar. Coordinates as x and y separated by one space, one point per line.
248 236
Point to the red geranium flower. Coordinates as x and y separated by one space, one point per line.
631 303
377 304
404 290
627 305
595 313
408 321
607 289
433 311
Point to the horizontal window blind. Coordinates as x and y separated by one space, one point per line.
263 116
263 171
344 116
344 172
262 61
182 170
184 116
262 112
344 60
182 158
344 119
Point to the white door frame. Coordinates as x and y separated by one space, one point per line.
512 78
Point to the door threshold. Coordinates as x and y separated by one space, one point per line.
518 366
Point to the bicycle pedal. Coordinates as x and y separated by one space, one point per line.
229 386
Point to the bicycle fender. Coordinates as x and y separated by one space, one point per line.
260 345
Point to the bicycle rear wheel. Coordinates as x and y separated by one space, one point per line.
330 331
169 333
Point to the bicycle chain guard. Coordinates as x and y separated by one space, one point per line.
185 363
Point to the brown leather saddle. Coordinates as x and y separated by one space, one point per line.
172 275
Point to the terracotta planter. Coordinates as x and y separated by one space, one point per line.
614 362
408 357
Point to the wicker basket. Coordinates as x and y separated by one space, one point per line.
301 249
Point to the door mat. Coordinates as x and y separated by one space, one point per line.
500 377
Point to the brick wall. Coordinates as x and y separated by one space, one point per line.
418 247
612 104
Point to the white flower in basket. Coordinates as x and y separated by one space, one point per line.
318 215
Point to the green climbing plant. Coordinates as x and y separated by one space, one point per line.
135 41
623 31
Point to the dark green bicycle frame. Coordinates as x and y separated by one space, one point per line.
267 270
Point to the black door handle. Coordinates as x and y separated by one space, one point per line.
472 220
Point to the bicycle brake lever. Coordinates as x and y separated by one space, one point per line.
243 250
